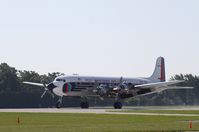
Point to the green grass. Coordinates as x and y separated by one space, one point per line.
59 122
159 111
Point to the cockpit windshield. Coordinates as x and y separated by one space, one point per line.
60 80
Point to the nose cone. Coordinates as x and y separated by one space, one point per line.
51 86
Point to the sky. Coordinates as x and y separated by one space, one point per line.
100 37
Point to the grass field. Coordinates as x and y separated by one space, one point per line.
159 111
59 122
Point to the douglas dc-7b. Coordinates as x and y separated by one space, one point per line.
118 88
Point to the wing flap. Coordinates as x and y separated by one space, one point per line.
177 87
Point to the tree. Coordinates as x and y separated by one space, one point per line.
50 77
189 96
8 79
30 76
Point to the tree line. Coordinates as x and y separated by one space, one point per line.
15 94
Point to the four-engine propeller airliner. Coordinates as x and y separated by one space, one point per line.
114 87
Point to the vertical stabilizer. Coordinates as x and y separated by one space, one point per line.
159 72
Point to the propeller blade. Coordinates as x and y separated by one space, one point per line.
121 80
53 96
101 98
43 93
120 83
44 85
47 91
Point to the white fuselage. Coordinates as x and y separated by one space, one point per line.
76 85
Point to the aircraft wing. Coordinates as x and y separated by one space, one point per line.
35 84
161 86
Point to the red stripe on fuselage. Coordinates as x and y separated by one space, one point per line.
66 88
162 74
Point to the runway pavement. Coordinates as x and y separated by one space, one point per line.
106 110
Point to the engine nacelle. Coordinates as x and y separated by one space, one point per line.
101 90
125 90
125 87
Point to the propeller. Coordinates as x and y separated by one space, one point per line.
43 94
121 89
121 80
47 90
118 86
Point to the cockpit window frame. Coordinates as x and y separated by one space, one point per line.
60 80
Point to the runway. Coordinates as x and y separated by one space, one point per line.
106 110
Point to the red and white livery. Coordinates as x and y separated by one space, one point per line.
113 87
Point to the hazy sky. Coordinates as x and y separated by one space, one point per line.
100 37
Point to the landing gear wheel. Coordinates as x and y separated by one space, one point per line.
117 105
84 102
59 102
84 105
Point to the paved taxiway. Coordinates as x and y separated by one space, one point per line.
105 110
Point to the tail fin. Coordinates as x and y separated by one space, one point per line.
159 72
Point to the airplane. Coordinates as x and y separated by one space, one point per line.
118 88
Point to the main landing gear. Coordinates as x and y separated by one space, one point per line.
84 103
117 105
59 103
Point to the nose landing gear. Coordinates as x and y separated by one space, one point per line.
59 103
